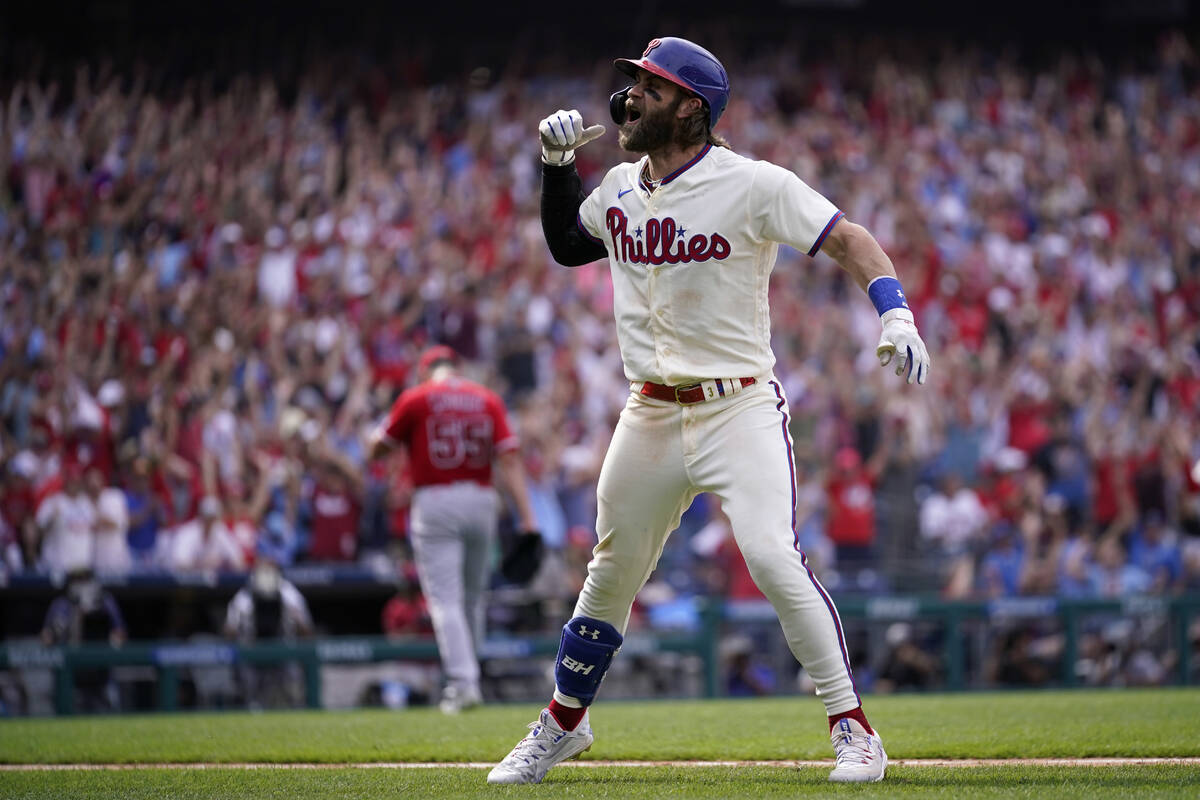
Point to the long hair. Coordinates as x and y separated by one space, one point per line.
694 129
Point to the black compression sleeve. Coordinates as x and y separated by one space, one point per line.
562 195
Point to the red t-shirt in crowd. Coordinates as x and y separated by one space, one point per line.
452 430
18 504
970 323
1112 485
852 509
1028 426
1001 497
334 524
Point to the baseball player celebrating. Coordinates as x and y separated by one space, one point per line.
691 232
452 429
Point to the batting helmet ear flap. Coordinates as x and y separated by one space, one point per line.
616 105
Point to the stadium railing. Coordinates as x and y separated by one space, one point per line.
952 618
168 658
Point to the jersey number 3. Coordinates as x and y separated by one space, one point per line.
459 441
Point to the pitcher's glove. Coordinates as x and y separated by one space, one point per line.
522 558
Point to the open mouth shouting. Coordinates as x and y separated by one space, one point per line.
646 129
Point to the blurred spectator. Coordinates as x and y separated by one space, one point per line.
1111 575
18 510
206 542
745 675
1000 570
11 558
145 516
1063 462
179 488
722 567
113 558
1023 657
1000 484
1154 548
851 503
952 517
954 521
375 523
268 607
1125 652
1074 558
406 613
87 613
66 522
334 509
810 520
907 665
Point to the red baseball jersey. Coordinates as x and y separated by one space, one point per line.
452 430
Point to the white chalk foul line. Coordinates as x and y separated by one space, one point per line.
904 762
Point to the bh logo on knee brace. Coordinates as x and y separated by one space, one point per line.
577 666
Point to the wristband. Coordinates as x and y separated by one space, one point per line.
565 157
886 293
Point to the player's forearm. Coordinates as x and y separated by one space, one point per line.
377 446
854 249
562 195
511 475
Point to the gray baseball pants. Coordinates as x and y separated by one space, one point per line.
453 530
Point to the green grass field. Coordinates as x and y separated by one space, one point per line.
1130 723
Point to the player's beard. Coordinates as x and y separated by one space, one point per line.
652 132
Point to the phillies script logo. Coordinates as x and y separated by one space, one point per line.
662 242
653 44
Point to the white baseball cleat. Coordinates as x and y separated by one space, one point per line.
860 756
546 745
456 699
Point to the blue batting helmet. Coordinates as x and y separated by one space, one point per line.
685 64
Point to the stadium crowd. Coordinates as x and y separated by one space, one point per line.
209 293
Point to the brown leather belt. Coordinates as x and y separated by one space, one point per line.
691 393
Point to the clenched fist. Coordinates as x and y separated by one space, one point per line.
562 132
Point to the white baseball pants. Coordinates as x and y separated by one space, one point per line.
661 456
453 529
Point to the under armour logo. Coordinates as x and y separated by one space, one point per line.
594 632
653 44
900 293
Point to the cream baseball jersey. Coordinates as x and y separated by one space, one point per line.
691 261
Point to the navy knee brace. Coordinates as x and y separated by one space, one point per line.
584 653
